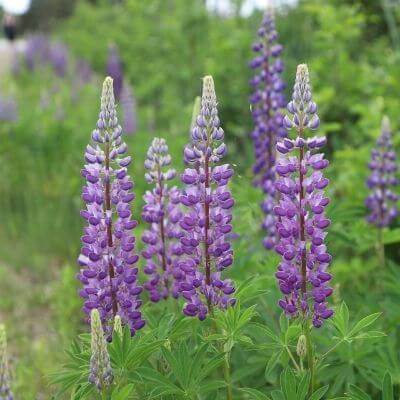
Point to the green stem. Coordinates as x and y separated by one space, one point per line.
227 357
330 350
104 395
310 356
227 375
293 359
381 248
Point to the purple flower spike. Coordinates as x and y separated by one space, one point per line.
58 58
114 70
301 221
162 213
382 201
267 100
107 256
207 221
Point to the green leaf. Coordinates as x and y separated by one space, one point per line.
317 395
267 331
387 387
363 323
122 394
254 394
273 360
341 319
303 386
288 384
149 375
358 394
370 335
212 386
277 395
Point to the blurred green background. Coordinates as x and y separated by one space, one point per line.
352 48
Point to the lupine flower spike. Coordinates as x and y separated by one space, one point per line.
162 212
302 272
107 256
382 200
267 100
5 390
101 374
207 221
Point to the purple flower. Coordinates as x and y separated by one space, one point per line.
8 109
207 220
382 200
267 99
107 256
162 212
83 70
128 105
58 58
301 220
36 50
114 70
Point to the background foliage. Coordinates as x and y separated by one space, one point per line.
352 48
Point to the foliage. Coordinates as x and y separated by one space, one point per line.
166 47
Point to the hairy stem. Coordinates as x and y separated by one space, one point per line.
107 206
227 375
380 248
310 356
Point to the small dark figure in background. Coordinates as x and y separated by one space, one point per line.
9 26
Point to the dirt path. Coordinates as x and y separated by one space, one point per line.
7 53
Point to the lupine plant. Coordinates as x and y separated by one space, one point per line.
267 100
207 220
108 259
382 200
162 212
5 389
302 273
186 251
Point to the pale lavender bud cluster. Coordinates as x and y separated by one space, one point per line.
5 390
114 70
162 212
382 201
107 256
301 221
267 100
101 374
207 220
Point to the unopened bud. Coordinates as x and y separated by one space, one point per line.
118 326
301 348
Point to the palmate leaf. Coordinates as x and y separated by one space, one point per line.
356 393
157 381
128 353
387 387
254 394
123 393
345 334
